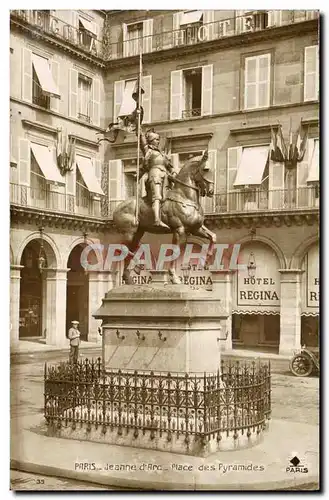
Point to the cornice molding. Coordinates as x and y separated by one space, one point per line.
312 122
40 126
249 129
86 142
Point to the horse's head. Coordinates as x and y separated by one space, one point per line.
204 176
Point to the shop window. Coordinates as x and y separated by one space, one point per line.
272 328
192 92
84 97
310 331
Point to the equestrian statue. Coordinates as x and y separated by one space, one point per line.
169 201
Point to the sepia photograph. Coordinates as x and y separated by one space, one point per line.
164 250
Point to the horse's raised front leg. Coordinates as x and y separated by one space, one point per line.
204 232
176 240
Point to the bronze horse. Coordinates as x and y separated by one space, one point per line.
181 211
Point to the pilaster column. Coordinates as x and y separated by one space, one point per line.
100 282
222 288
15 277
290 310
56 286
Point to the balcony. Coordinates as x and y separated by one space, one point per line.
236 202
192 35
44 22
256 200
55 202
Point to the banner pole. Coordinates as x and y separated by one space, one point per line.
138 134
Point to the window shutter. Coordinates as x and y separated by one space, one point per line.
176 98
264 80
73 93
250 86
27 75
311 73
147 98
233 160
239 22
175 162
274 18
276 185
207 90
115 183
212 161
208 19
302 175
96 90
71 180
125 40
119 88
176 27
54 101
147 35
24 162
75 24
98 170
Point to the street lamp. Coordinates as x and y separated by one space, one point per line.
251 265
41 258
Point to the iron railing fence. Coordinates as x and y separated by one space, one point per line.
45 199
161 40
236 399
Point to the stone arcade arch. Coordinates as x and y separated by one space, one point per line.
35 294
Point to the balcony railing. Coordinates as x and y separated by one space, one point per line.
253 200
191 35
187 35
44 199
45 22
189 113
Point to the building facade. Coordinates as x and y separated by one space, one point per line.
238 83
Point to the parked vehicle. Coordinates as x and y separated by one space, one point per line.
305 361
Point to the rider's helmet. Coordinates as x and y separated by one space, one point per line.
151 135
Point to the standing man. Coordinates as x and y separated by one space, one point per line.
74 337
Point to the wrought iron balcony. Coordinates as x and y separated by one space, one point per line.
255 200
189 113
43 21
198 34
44 199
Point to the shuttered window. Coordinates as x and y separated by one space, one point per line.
137 37
191 92
311 73
257 81
123 101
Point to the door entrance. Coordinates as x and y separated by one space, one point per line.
30 306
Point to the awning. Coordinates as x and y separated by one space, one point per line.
191 17
87 25
128 104
45 158
13 161
313 175
252 166
87 172
45 77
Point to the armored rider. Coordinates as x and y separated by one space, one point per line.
157 166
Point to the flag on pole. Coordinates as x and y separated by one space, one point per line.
301 144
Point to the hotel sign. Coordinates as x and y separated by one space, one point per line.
258 287
313 281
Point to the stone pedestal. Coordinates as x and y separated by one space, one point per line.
161 327
222 289
15 277
100 282
290 312
56 306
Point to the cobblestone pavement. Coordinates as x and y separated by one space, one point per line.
293 399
